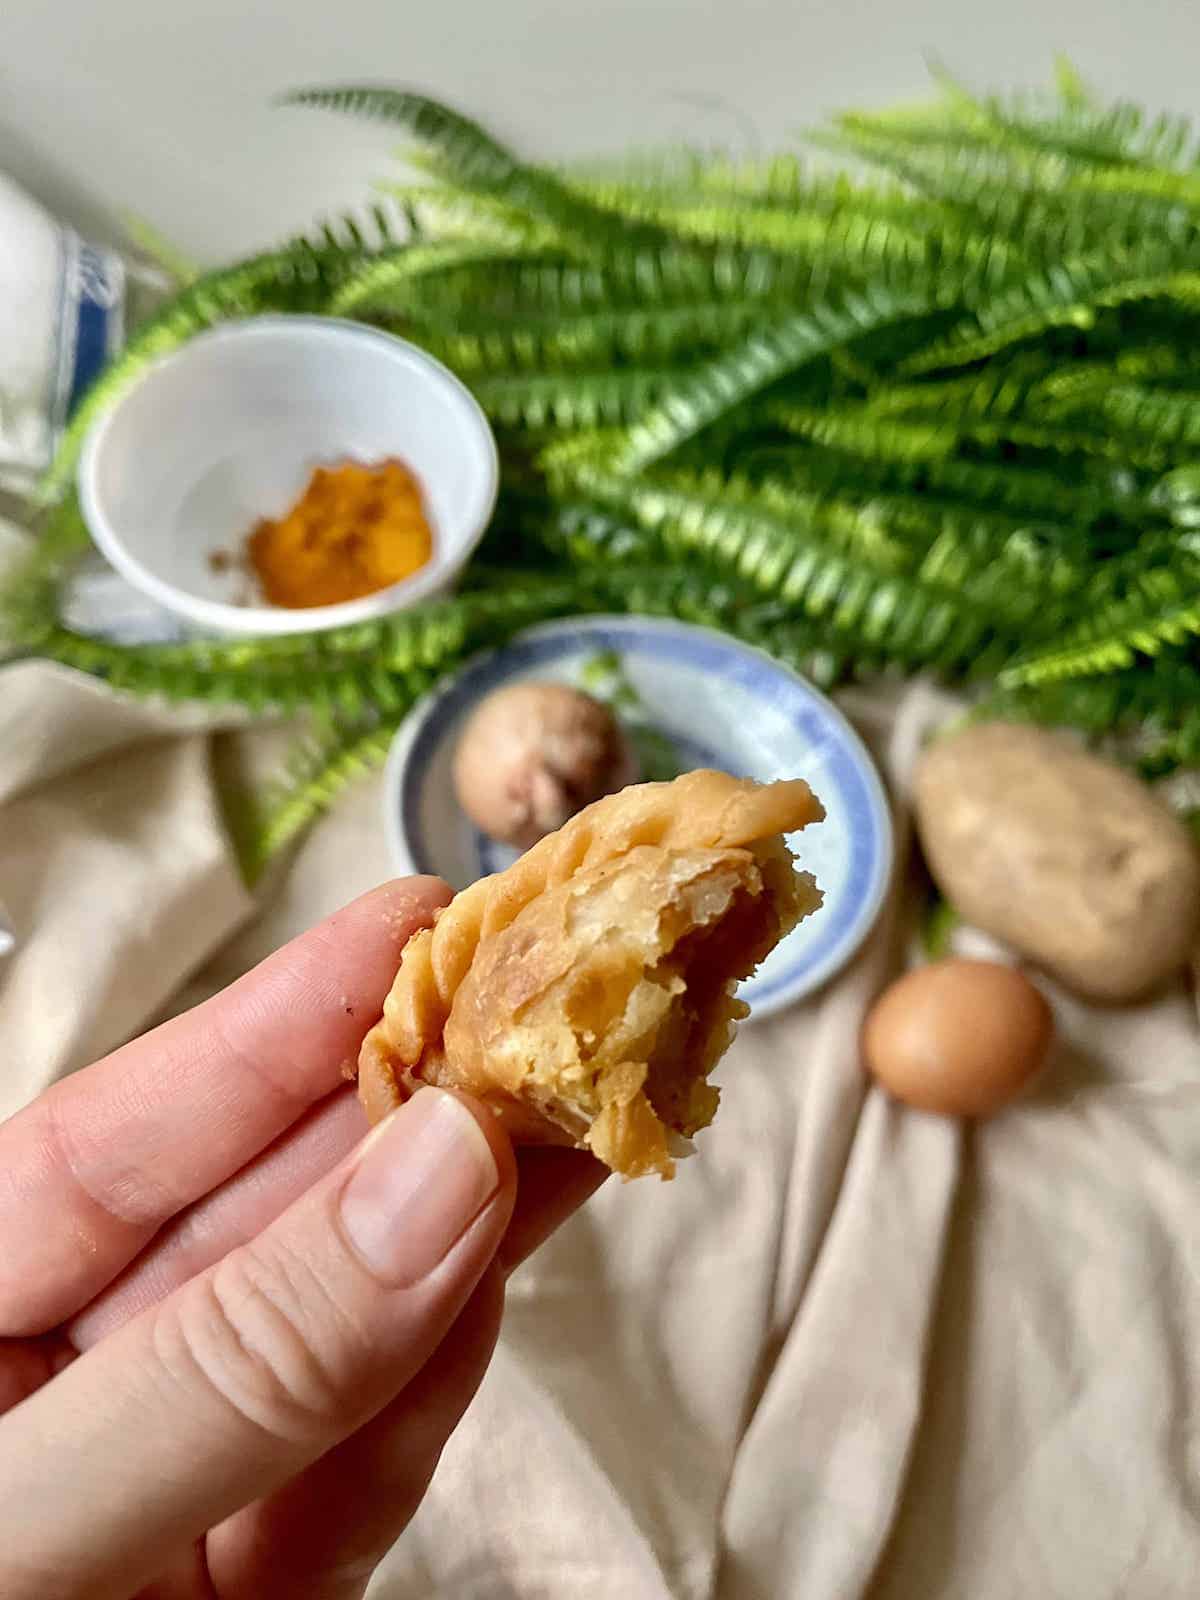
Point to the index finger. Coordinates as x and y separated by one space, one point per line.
94 1167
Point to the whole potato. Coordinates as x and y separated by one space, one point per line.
1067 858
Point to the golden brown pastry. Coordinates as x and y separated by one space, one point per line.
586 993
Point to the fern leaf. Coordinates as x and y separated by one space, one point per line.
217 676
769 353
1167 417
1063 440
790 561
1040 202
477 161
381 276
850 230
540 285
31 592
780 180
1163 610
1111 136
1067 294
321 770
858 430
448 213
367 229
374 666
575 400
548 343
1021 495
1149 713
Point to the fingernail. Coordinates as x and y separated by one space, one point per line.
421 1178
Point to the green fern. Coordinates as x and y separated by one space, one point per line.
535 344
858 430
945 419
767 355
477 161
575 400
31 595
391 277
1162 610
446 212
1068 294
802 565
320 769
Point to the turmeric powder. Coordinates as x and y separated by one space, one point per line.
355 529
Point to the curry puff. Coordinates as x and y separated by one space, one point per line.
586 993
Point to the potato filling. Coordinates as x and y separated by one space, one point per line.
607 1004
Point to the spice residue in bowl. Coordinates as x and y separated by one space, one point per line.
355 529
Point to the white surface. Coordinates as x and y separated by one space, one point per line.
165 109
720 704
229 429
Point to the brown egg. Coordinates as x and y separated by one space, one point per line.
962 1038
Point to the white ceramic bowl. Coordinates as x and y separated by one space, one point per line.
719 704
228 429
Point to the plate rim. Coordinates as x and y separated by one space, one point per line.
784 993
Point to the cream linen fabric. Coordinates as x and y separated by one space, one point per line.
850 1351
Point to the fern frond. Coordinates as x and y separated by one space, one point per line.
1163 416
805 572
781 180
477 161
770 353
31 593
540 343
544 283
321 768
1162 609
378 666
1068 294
370 227
1149 713
1115 136
221 675
1035 200
1006 564
848 228
381 277
858 430
447 213
1061 439
999 390
573 400
1020 494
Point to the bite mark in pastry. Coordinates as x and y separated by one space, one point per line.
586 993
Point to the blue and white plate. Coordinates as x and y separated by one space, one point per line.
719 704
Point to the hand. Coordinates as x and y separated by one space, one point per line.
235 1334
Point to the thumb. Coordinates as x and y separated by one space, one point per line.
251 1371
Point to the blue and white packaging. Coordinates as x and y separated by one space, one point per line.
62 315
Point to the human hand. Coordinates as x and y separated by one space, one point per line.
235 1334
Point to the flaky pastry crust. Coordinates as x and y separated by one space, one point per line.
586 993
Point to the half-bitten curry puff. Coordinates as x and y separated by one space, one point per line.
586 993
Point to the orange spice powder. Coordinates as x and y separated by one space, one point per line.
354 530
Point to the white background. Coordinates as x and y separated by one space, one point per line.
162 106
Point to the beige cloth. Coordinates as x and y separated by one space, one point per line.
849 1352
